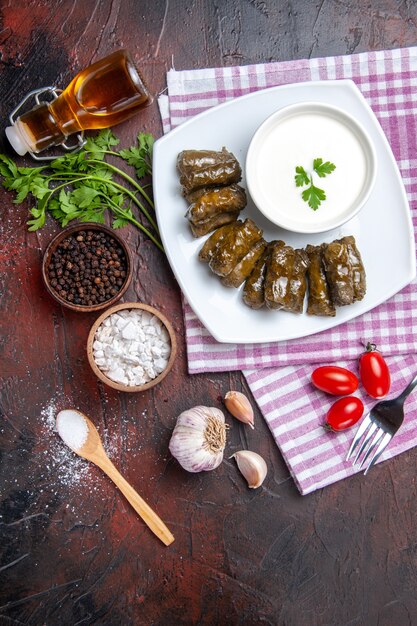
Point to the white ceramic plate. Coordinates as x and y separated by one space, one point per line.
383 228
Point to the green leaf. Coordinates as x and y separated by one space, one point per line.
37 223
101 142
24 171
301 177
146 142
67 219
7 166
131 155
140 156
95 150
119 222
22 194
16 183
39 187
104 173
35 212
66 205
83 196
314 196
118 199
322 169
70 209
73 163
93 216
106 139
44 201
54 204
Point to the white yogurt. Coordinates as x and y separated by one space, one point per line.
297 139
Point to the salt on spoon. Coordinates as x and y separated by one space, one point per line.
80 434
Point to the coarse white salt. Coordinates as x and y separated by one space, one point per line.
72 428
135 351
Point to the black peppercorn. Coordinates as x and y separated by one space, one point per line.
82 270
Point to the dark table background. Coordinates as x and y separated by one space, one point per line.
72 550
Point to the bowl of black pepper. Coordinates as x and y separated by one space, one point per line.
87 267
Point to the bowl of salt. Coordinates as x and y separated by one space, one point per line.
131 347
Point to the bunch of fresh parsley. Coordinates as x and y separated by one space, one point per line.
313 195
84 185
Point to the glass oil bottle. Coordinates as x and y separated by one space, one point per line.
102 95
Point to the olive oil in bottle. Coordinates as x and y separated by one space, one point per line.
102 95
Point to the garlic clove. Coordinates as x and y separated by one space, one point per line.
252 466
239 406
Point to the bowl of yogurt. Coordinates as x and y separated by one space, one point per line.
310 167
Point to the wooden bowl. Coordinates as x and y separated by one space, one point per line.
53 246
102 376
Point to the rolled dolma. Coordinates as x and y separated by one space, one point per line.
216 200
285 279
233 247
206 226
242 270
253 291
211 244
344 271
357 268
319 299
207 168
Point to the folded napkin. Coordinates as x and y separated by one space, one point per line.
280 382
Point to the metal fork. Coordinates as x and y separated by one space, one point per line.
380 425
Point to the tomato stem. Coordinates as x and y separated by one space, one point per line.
370 347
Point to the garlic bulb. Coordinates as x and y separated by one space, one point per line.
199 438
239 406
252 466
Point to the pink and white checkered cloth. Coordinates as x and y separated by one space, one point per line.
280 382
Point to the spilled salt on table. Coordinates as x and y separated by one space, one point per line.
72 428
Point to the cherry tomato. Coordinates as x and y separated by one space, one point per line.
374 372
344 413
337 381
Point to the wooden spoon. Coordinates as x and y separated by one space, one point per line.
93 451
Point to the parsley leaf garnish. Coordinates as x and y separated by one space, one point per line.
322 169
83 185
313 195
301 177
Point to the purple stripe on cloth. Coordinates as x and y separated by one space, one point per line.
295 413
276 372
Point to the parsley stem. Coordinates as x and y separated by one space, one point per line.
124 175
116 154
131 195
119 211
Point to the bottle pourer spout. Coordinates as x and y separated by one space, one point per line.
16 140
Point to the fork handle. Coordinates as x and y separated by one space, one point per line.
408 389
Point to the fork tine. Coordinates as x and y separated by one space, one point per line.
378 436
366 422
366 441
385 441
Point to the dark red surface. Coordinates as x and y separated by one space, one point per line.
72 550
